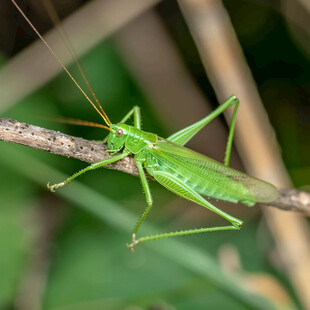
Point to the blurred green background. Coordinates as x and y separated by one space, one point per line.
67 250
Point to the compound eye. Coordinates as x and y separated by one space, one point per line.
119 132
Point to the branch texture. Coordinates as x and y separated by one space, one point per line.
90 151
61 144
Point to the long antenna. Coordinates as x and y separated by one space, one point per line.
74 121
106 120
50 9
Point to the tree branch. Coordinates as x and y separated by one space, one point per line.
90 151
59 143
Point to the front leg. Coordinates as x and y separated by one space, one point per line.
93 166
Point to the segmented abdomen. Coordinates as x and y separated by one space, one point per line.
208 177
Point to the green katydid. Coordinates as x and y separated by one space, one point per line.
182 171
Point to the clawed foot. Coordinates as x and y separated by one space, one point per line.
133 243
52 188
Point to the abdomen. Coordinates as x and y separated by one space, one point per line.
208 177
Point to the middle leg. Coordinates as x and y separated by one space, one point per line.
149 202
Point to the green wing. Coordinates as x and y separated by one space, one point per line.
210 178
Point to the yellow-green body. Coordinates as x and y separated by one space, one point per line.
203 174
187 173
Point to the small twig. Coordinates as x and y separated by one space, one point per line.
90 151
293 200
61 144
